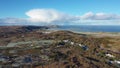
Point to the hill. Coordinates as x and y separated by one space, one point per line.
37 47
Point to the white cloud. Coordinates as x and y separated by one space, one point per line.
99 16
88 15
97 22
47 16
12 20
51 16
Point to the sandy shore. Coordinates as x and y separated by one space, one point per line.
101 34
96 34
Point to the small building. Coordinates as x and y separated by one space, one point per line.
31 45
80 45
110 55
61 43
116 61
27 59
72 43
84 47
16 65
3 60
46 32
65 41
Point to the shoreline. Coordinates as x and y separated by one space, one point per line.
101 34
95 34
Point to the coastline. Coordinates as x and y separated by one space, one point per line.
95 31
94 34
101 34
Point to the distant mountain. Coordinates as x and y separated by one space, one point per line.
8 30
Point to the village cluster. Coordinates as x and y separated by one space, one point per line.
85 47
30 60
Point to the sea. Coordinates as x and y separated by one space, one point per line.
88 28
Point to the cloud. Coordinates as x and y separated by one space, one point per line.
48 16
13 21
100 16
52 16
97 22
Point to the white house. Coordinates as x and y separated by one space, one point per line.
46 32
116 61
65 40
109 55
72 43
80 45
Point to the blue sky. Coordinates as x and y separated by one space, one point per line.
78 11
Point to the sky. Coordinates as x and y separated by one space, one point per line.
59 12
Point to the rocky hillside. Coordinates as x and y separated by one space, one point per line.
9 30
68 50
